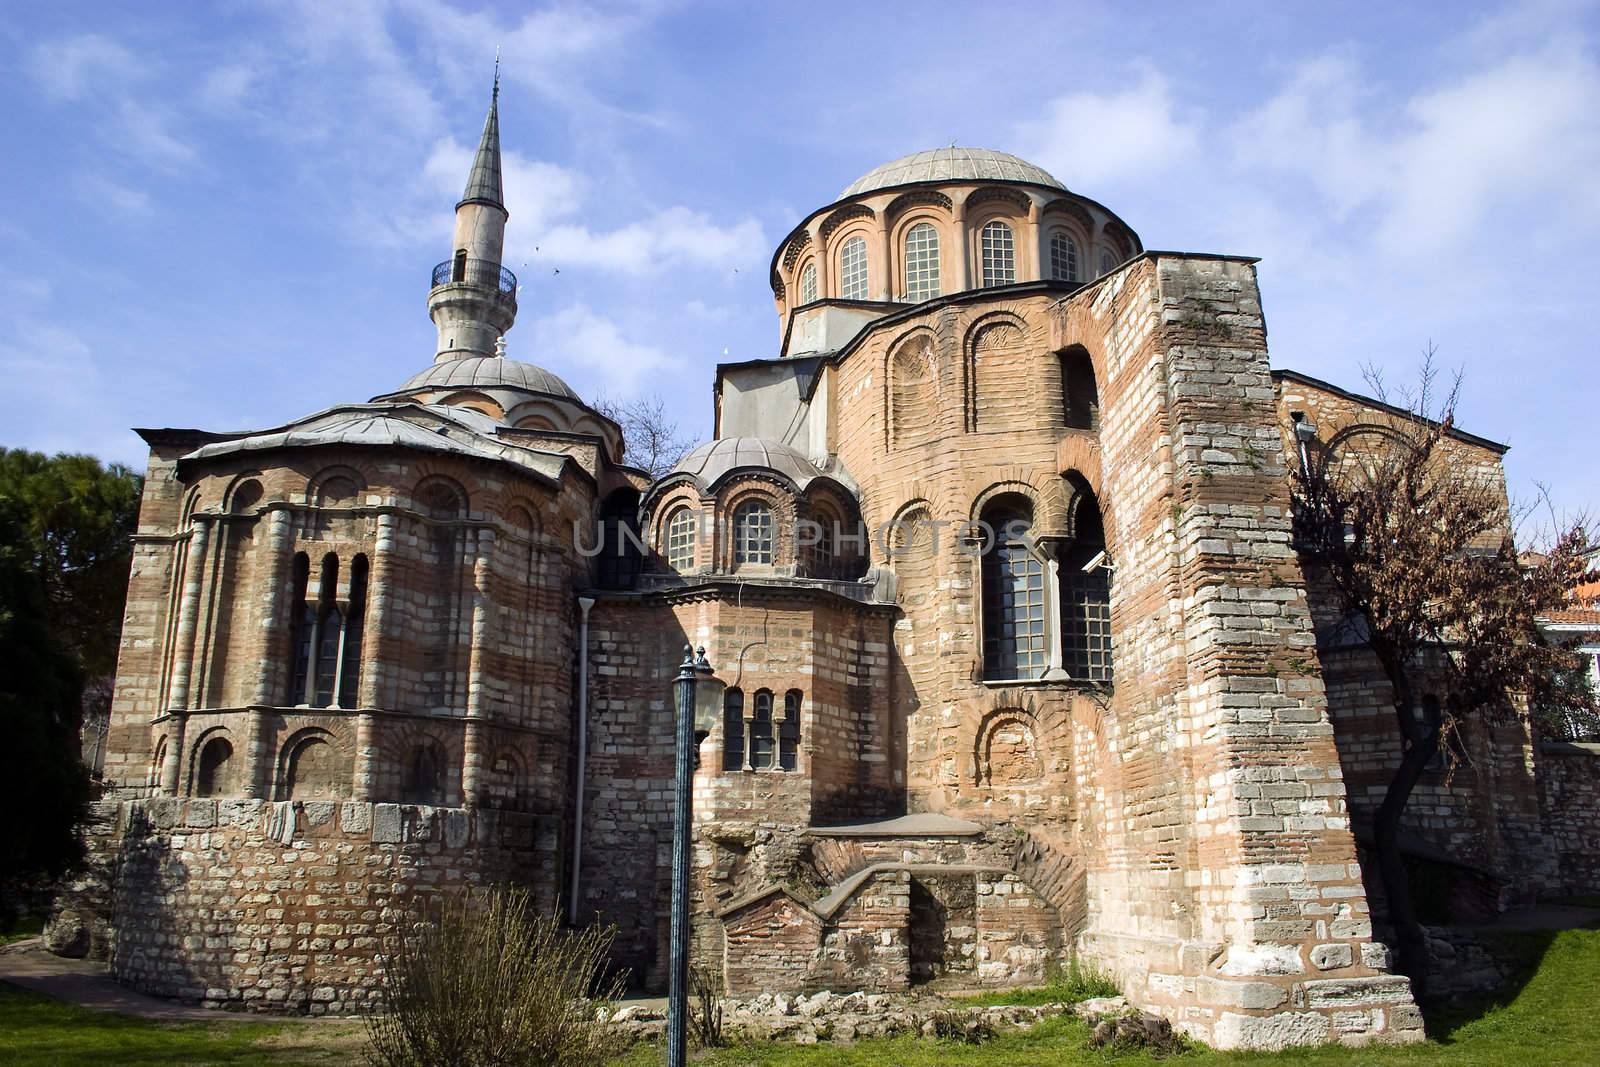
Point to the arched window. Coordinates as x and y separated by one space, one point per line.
1080 398
621 549
318 637
752 533
1086 594
422 777
680 539
1108 261
303 622
329 636
789 731
1063 257
761 731
733 730
922 263
211 777
853 269
999 254
808 282
1014 638
354 626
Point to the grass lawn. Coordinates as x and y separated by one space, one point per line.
1549 1021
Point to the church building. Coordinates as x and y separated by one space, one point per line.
992 554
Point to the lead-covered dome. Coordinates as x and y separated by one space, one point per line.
488 372
714 460
953 165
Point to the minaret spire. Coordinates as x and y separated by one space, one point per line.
483 181
474 298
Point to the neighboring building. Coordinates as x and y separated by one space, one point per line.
368 655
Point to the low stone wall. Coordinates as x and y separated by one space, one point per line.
1570 794
282 906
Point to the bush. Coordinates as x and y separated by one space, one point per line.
705 1009
487 982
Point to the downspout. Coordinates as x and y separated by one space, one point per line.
584 604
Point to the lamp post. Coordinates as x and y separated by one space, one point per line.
696 701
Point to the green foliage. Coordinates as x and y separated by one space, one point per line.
46 785
74 518
488 982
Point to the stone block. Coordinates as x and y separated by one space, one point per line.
388 824
1331 957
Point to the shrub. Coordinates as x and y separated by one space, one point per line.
488 982
705 1010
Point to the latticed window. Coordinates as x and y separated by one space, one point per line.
1063 257
733 730
1088 624
922 262
1014 638
752 533
761 731
999 254
789 731
808 282
680 539
853 269
1108 261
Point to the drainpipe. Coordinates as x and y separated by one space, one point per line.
584 604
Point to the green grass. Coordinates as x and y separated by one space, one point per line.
25 927
36 1030
1548 1021
1079 982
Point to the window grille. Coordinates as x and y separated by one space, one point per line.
1063 257
922 263
999 255
752 534
853 269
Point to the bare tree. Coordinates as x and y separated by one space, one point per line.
1417 548
653 441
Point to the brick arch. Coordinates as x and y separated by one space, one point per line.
1078 487
237 496
998 389
473 400
1049 501
1034 737
217 776
921 198
398 750
330 478
432 492
912 388
505 777
315 763
792 250
838 218
777 494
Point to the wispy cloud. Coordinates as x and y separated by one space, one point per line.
1091 140
107 195
594 353
70 68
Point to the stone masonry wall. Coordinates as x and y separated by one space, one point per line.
265 906
1570 787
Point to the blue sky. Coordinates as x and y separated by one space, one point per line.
224 214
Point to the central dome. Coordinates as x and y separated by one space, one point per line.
951 164
488 372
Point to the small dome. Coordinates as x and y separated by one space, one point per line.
953 165
711 461
488 372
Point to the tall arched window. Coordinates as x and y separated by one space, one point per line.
761 731
302 623
922 263
354 626
733 730
1014 637
999 254
808 283
1080 398
789 731
752 533
1108 261
1063 257
1086 593
422 778
211 772
853 269
680 539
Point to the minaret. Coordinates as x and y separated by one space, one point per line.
474 298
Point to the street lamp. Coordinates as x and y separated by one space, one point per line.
697 701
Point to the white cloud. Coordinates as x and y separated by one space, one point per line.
101 192
74 67
1091 140
593 351
674 237
1511 143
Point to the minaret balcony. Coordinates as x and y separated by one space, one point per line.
479 273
